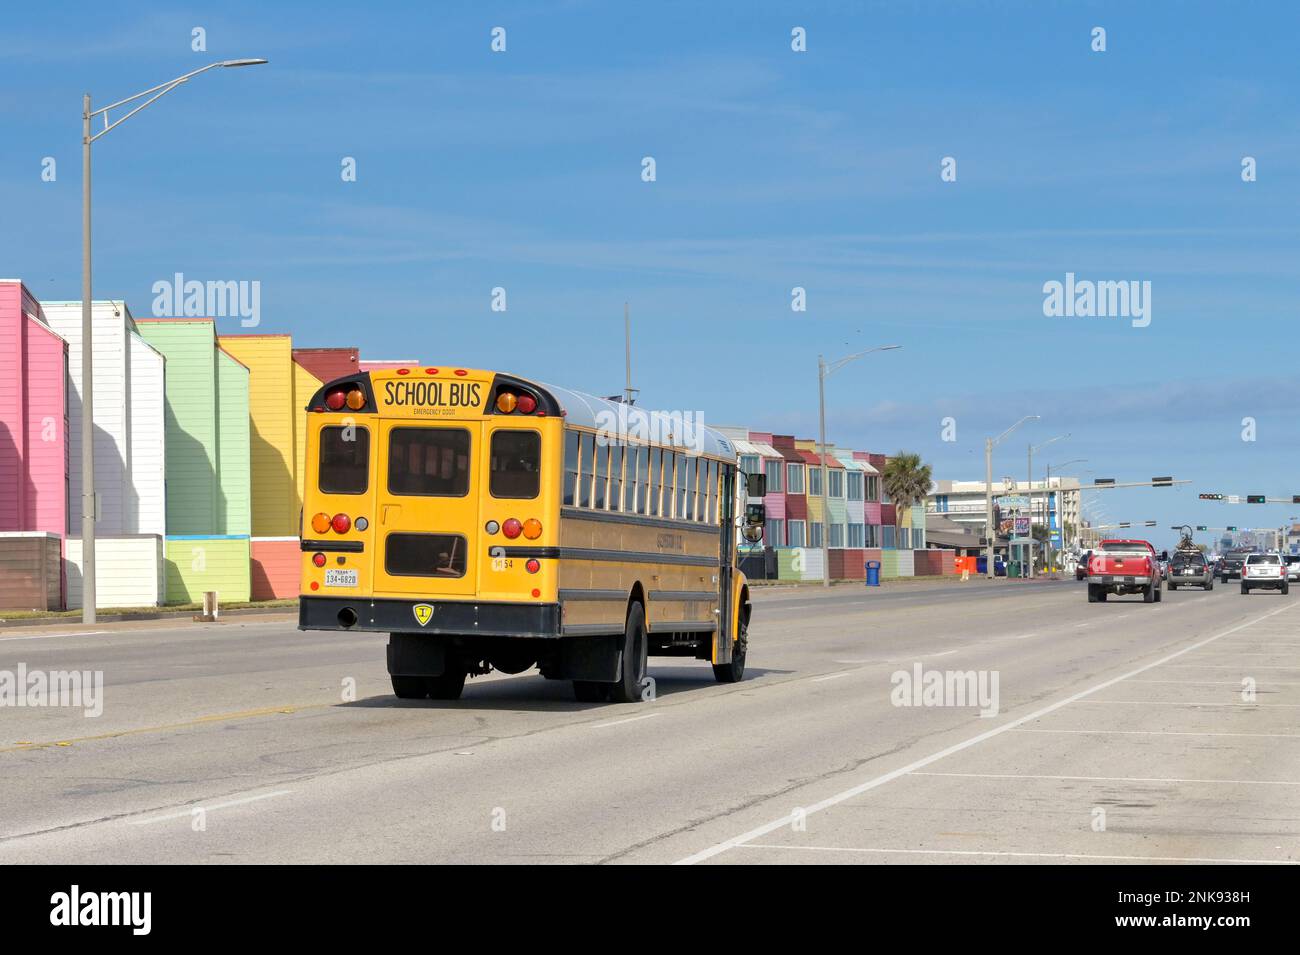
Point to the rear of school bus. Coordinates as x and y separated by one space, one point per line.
427 515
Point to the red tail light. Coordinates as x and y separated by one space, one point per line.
318 560
527 404
341 523
512 528
533 565
336 399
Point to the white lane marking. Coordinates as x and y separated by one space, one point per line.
49 636
1163 733
1229 666
1255 653
1187 703
931 656
832 676
1118 779
1236 683
187 813
630 719
1024 636
911 767
1025 855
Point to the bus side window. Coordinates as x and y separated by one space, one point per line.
570 467
602 476
643 480
656 483
587 474
629 482
690 488
615 477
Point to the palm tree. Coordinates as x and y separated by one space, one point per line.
906 479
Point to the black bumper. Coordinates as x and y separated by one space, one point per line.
451 617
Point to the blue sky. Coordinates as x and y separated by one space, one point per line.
775 169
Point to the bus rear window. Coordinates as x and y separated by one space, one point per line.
516 464
425 555
344 460
431 462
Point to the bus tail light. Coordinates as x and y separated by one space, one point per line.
341 523
533 565
320 523
336 399
506 402
318 560
491 527
527 404
532 528
356 399
511 528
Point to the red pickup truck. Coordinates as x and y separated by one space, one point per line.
1124 567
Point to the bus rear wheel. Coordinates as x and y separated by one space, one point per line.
409 687
636 659
449 686
734 671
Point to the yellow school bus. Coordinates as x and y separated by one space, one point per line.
485 522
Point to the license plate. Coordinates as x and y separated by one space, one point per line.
340 578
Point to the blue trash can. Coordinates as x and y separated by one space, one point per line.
873 573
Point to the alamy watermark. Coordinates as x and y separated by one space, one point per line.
42 688
182 298
679 429
958 688
1084 298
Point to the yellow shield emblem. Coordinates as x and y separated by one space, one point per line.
423 613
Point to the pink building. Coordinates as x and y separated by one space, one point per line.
33 417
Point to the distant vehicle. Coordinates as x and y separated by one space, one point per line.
1292 566
1124 567
1264 572
1164 565
1230 566
1081 571
1189 568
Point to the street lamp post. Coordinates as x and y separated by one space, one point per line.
1030 491
824 371
88 510
989 445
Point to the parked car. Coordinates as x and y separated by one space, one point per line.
1124 567
1230 566
1189 568
1292 566
1264 572
1081 570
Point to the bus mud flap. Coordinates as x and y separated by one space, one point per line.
597 659
412 654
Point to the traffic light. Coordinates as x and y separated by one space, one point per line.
1166 481
1104 481
1201 527
1216 497
1230 528
1295 498
1254 498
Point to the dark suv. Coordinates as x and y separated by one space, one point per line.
1190 568
1230 566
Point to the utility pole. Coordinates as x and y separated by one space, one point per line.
627 347
989 445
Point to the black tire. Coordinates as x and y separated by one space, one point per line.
636 656
1149 595
1094 593
1173 586
1210 584
449 686
588 691
1286 588
409 687
1160 593
734 671
1245 589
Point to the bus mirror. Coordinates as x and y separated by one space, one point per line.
756 485
752 533
755 515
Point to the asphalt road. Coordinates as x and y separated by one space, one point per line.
1121 733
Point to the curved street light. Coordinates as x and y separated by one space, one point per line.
88 595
